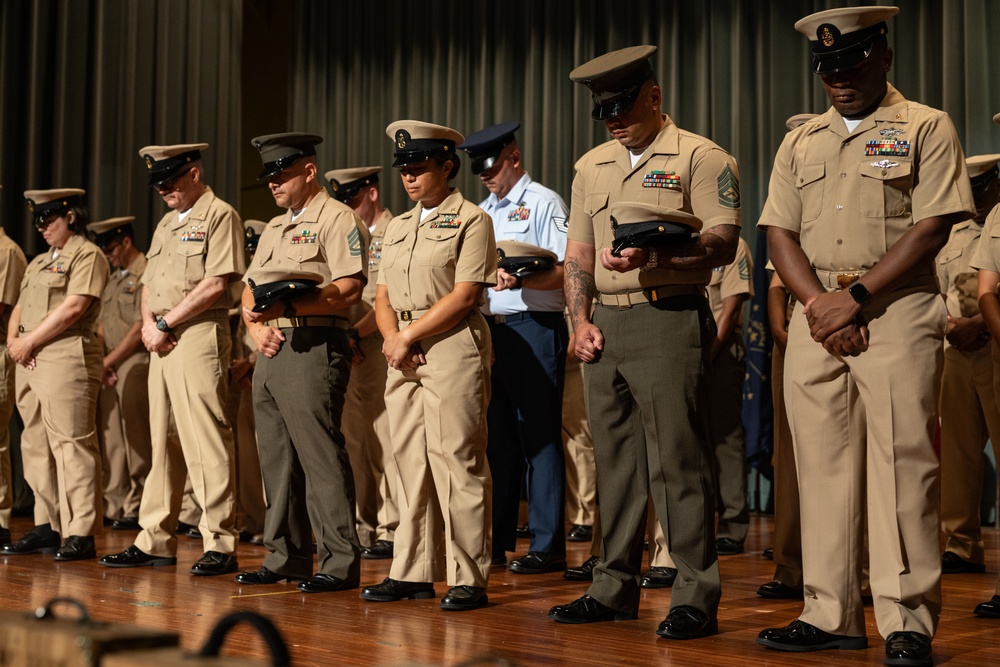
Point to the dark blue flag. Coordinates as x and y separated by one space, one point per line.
758 408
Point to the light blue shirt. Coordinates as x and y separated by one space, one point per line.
530 213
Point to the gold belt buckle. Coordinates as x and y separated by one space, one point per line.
845 280
405 315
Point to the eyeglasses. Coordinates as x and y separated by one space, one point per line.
168 185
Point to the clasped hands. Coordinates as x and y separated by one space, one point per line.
833 321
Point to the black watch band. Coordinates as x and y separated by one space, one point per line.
860 294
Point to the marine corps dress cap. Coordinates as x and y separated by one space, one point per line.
346 183
798 120
104 232
615 79
252 229
272 285
166 162
416 141
280 151
842 38
43 203
639 225
484 146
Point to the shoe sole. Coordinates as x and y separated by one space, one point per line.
577 577
481 602
712 629
421 595
557 567
908 662
376 556
201 573
848 644
780 596
618 616
43 550
156 562
979 613
65 559
651 584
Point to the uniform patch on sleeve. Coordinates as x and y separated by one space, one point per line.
729 189
354 242
561 223
744 268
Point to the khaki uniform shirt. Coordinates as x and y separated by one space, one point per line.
987 250
327 238
120 304
12 265
731 280
207 243
851 196
959 282
80 268
367 302
679 169
422 261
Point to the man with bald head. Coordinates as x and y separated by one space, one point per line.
193 263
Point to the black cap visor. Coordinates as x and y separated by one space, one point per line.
272 168
61 205
164 170
616 106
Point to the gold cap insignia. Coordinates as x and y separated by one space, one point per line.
826 36
149 162
500 254
401 139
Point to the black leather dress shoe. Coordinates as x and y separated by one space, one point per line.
392 590
77 547
498 560
126 523
989 609
908 649
952 563
135 557
658 577
687 622
380 550
580 533
39 540
107 521
214 562
262 576
767 553
183 528
524 532
537 562
463 598
193 533
775 590
588 610
800 637
325 583
727 546
583 573
4 537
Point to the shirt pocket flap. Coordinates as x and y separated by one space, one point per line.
595 203
190 249
810 173
887 170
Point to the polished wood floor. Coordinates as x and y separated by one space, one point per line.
341 629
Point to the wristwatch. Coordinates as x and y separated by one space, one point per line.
161 325
860 294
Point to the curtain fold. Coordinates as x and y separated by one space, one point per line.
85 84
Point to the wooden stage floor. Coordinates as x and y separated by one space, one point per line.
341 629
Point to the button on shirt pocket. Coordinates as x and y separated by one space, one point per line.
191 261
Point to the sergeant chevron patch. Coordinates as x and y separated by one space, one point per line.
729 189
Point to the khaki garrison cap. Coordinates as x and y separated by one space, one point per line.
43 203
417 141
346 183
798 120
842 38
166 162
615 79
104 232
982 170
280 151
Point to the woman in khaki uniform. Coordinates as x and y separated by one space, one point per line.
52 336
436 260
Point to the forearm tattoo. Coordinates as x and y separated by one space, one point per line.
580 291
